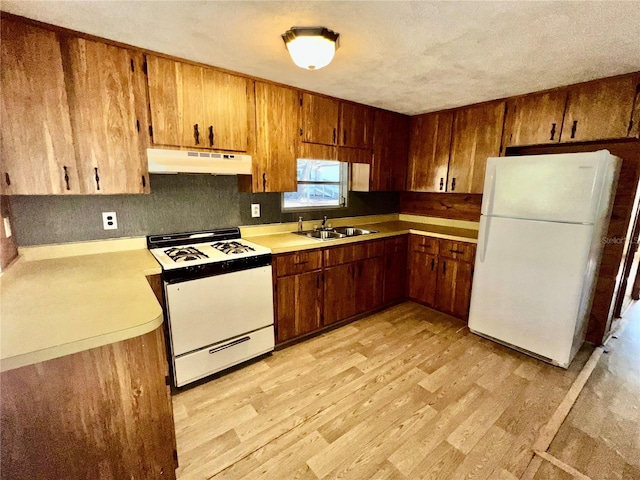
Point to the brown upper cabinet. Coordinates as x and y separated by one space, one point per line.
535 119
601 110
37 144
356 125
107 96
477 134
274 161
80 126
390 150
198 107
430 139
319 119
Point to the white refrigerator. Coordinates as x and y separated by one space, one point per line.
542 229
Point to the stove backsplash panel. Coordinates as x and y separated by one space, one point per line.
177 203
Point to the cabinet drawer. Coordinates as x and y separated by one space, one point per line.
462 251
423 244
395 244
298 262
353 252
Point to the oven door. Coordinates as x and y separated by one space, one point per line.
209 310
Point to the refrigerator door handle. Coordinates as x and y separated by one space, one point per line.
482 240
490 192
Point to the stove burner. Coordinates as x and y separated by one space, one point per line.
184 254
232 248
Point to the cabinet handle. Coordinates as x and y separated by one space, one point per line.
574 127
212 137
444 267
144 182
441 183
66 177
457 251
433 264
7 179
553 131
453 184
334 135
300 132
196 134
301 263
97 177
264 182
344 137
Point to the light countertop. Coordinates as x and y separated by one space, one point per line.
55 307
291 242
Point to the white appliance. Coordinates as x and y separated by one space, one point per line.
219 300
183 161
539 247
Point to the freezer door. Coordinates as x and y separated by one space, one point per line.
557 188
528 284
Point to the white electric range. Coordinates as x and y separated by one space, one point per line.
219 300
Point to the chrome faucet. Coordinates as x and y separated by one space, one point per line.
324 222
299 224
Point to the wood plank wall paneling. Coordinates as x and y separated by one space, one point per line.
8 246
456 206
613 252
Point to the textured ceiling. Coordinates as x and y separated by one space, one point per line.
409 57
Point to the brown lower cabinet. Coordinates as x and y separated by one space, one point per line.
317 288
440 274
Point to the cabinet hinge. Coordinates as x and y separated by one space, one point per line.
150 131
300 101
175 456
630 126
144 67
137 125
133 67
300 132
275 287
167 380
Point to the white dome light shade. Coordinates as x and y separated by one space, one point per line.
311 47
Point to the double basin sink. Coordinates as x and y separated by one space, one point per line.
335 232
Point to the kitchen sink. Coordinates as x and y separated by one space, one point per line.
333 233
323 234
353 231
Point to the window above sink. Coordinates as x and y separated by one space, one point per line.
322 185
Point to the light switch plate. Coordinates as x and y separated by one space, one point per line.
109 221
255 210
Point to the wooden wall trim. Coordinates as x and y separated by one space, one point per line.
455 206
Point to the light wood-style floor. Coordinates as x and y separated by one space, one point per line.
601 436
407 393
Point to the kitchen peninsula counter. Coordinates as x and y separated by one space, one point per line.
58 306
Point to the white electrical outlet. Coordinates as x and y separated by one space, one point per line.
109 221
7 227
255 210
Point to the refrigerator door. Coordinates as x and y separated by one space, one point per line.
528 283
555 188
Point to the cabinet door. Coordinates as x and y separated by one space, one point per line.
369 284
108 109
454 287
390 151
164 79
422 277
356 125
429 143
192 111
600 110
225 111
319 119
535 119
37 144
274 164
395 276
339 293
298 305
477 133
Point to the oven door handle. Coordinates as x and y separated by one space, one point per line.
230 344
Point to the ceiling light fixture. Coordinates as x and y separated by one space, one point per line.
311 47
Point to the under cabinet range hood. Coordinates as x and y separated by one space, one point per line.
184 161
